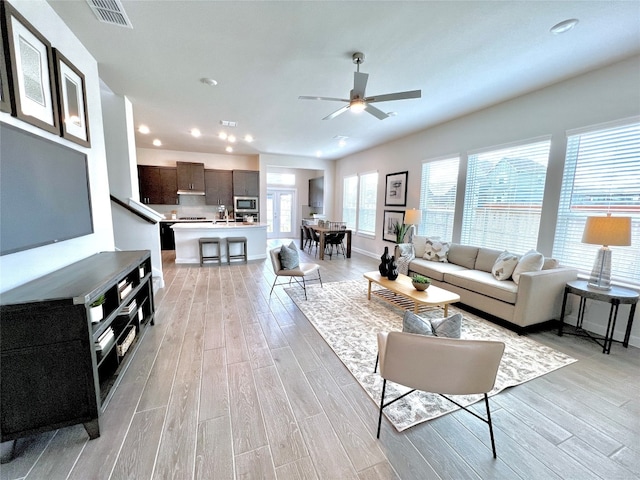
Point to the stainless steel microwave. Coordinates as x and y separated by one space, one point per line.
245 204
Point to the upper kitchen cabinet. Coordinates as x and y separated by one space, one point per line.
190 177
219 188
246 183
158 185
316 192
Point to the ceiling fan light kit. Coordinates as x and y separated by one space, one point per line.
357 101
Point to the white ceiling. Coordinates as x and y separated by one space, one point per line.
464 55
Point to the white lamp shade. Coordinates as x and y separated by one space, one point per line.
413 217
607 231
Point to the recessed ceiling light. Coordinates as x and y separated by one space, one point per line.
229 149
222 136
232 138
342 142
248 138
209 81
157 143
318 153
564 26
195 132
143 129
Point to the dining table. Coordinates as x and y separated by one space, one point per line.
322 231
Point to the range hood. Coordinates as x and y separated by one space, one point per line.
190 192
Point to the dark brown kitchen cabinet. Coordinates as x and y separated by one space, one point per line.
158 185
57 366
316 192
190 176
219 188
246 183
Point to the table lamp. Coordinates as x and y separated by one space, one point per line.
412 217
605 231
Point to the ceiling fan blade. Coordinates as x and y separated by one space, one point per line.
336 113
331 99
376 112
359 84
394 96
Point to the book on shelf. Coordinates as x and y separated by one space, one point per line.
125 291
105 339
129 309
122 284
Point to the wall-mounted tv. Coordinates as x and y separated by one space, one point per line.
44 191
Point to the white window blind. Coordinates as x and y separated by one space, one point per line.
367 203
503 198
601 175
438 197
350 201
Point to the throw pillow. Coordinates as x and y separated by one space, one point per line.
450 326
504 266
289 258
435 250
531 261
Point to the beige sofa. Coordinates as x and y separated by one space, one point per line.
537 297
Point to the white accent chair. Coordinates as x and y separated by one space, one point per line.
446 366
296 274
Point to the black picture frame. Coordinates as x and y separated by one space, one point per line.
72 101
34 96
390 218
395 193
6 100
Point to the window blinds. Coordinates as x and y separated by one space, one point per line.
367 203
350 201
438 197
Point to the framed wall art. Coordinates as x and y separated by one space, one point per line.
5 92
396 190
391 218
31 61
72 96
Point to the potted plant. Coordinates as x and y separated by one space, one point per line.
401 229
420 282
96 310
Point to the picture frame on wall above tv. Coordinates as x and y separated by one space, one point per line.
31 61
72 96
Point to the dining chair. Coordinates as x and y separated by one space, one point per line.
445 366
297 274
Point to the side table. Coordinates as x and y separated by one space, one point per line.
616 296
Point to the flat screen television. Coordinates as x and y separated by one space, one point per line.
44 191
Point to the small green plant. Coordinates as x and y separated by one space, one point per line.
400 229
98 301
417 278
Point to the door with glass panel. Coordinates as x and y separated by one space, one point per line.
280 213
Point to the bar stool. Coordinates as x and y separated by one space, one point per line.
240 256
212 241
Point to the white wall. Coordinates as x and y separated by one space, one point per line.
600 96
19 268
168 158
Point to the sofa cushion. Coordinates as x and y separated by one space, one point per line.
531 261
484 284
463 255
450 326
435 250
504 266
486 258
550 263
289 258
433 270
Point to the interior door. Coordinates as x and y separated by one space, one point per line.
280 213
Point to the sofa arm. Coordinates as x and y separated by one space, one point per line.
540 295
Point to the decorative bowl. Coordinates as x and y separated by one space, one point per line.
420 286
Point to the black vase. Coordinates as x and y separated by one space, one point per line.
383 268
392 269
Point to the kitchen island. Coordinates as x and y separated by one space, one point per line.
187 235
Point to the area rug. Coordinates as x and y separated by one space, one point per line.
349 323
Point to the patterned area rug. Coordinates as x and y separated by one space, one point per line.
349 323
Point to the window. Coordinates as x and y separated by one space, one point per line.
276 178
601 175
438 197
360 193
503 199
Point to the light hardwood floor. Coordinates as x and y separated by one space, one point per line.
232 383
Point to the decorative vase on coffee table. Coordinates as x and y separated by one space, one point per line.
383 268
392 272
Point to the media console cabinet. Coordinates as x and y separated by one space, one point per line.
57 367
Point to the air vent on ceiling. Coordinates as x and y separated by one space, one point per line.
111 12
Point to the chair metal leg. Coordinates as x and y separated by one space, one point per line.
384 387
375 369
493 442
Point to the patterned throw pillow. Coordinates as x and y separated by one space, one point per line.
289 258
504 266
436 251
450 326
531 261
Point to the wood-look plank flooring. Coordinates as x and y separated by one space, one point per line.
231 383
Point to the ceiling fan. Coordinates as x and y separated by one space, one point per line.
357 101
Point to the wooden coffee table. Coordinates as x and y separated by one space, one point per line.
401 293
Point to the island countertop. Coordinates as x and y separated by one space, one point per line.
187 236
